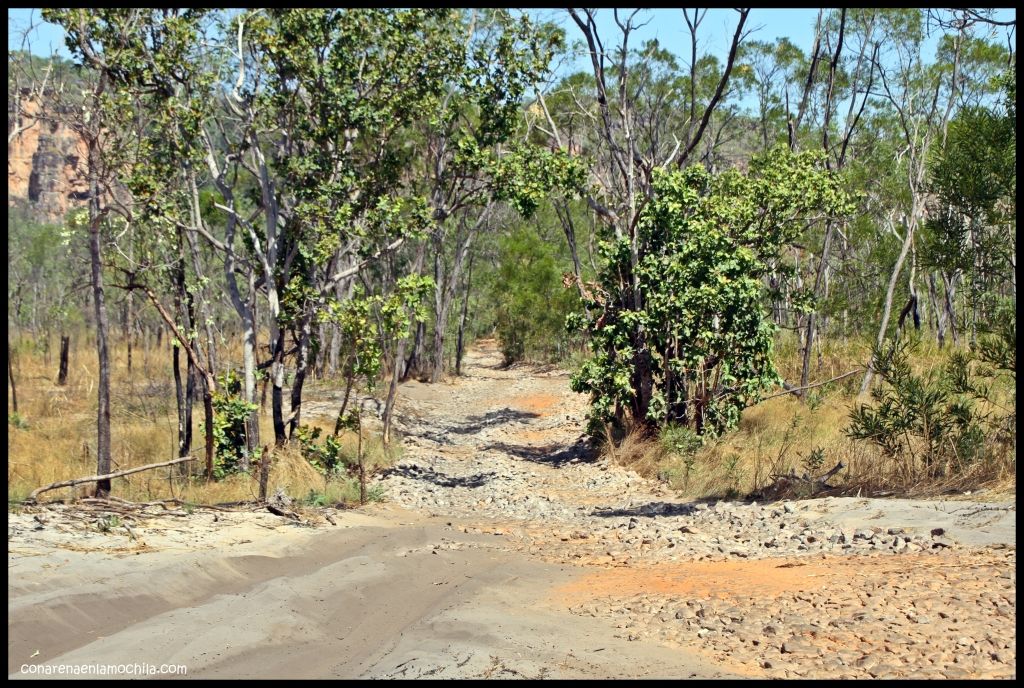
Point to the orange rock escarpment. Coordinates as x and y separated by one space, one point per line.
45 164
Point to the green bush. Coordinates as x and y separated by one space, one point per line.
17 420
343 492
327 458
676 321
679 440
530 301
230 412
335 458
937 420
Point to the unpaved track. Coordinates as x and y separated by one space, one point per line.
507 551
374 600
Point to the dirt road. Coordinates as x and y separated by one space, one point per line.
505 550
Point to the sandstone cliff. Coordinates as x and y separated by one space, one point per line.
46 168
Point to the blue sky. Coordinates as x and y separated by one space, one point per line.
667 25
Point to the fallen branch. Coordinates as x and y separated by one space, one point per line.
785 484
96 478
281 512
793 390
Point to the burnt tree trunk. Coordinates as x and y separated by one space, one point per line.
301 370
264 473
277 390
10 376
416 356
102 328
62 374
459 342
184 390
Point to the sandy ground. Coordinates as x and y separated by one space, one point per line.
383 595
506 552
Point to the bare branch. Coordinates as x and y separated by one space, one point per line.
736 40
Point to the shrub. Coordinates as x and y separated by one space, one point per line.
677 321
679 440
937 421
230 413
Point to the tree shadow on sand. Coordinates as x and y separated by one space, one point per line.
650 510
431 476
475 424
554 455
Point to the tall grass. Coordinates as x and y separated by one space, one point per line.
779 435
53 437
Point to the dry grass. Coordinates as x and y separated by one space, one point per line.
54 436
777 436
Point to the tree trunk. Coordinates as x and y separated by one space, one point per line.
211 349
359 457
412 366
320 366
301 368
396 375
950 289
462 318
102 327
127 333
264 473
62 374
277 381
909 226
349 383
249 387
938 313
10 376
809 333
208 413
440 312
184 389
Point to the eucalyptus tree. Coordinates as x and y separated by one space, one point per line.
279 138
147 59
93 115
923 98
474 154
771 71
851 82
971 224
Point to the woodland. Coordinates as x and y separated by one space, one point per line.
754 266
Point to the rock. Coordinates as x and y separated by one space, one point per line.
941 543
883 671
796 645
864 534
938 532
867 662
789 508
